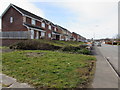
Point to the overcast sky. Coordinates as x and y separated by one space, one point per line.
89 18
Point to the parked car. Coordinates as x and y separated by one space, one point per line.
89 45
98 44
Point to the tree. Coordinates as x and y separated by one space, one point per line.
118 37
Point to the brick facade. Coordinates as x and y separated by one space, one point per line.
17 24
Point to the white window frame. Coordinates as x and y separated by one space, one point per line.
37 35
11 19
49 35
24 19
55 29
49 27
42 34
32 34
33 22
43 24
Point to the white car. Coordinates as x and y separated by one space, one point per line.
98 44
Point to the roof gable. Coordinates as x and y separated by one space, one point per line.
27 13
11 5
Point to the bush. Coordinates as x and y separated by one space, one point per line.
33 45
83 46
84 51
70 48
80 50
42 45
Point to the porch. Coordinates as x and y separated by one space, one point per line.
56 36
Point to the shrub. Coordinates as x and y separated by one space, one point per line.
84 51
80 50
34 45
70 48
83 46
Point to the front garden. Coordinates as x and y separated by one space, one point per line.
58 68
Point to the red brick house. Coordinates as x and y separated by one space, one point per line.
77 37
57 33
28 25
18 23
74 36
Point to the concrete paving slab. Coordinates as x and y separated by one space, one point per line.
20 85
6 80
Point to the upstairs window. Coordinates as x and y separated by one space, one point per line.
43 24
11 19
33 22
49 27
55 29
24 19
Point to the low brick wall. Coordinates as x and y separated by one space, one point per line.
7 42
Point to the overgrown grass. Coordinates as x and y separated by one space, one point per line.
67 46
61 43
48 69
51 42
3 47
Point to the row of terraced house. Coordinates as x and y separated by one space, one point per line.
18 23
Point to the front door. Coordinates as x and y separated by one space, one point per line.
57 37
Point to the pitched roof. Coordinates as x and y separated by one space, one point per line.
31 14
26 12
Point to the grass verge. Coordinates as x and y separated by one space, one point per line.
48 69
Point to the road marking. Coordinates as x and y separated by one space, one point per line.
117 74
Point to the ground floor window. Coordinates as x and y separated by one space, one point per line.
37 35
42 34
32 34
49 35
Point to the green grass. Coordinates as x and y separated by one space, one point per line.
48 68
3 47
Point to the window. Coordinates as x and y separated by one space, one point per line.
54 28
24 19
49 27
33 22
11 19
42 34
49 35
43 24
32 34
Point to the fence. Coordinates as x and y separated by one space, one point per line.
15 35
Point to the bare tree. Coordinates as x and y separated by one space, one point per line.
118 37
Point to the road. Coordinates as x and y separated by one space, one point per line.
111 53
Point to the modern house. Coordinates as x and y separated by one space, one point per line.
18 23
77 37
74 36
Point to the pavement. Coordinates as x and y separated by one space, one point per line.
9 82
104 75
111 53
